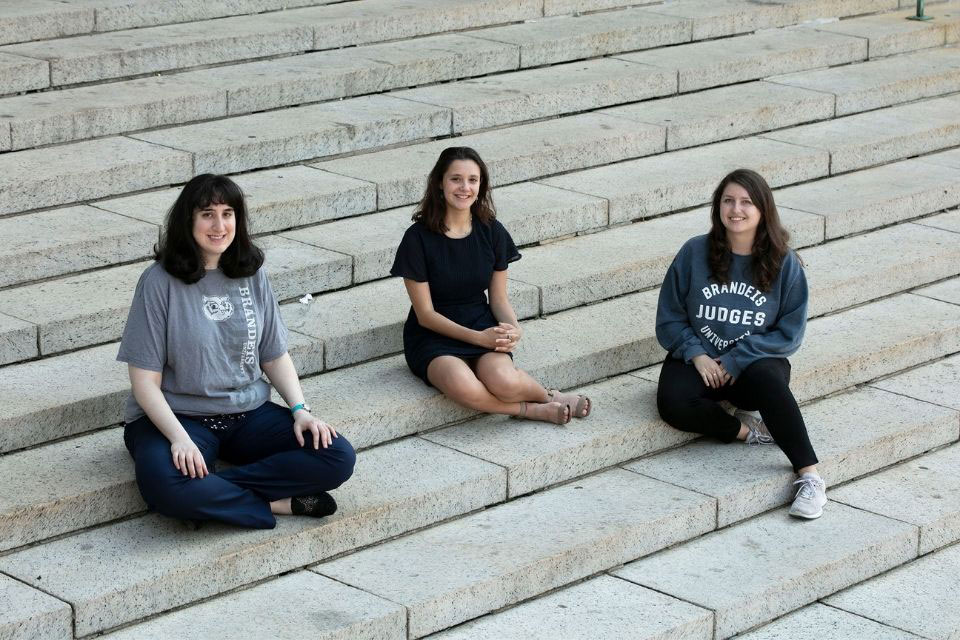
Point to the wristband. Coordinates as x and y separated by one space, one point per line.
298 406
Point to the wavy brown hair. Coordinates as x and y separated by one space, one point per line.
771 243
433 206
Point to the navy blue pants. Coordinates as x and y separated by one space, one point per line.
270 465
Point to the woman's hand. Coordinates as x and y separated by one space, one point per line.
322 432
512 333
187 458
502 338
710 370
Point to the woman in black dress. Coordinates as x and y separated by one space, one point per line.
454 339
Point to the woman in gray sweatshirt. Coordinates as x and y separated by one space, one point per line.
732 308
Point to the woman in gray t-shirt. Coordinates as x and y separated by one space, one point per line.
203 328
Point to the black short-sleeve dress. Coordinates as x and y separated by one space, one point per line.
458 271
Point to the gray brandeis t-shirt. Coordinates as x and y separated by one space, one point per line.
207 339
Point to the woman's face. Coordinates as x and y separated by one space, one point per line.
737 212
213 230
461 184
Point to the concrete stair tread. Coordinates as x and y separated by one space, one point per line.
948 291
20 73
777 569
18 340
109 566
932 383
948 221
891 33
29 613
817 618
523 548
24 20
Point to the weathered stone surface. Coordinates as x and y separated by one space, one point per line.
603 607
948 291
854 270
875 197
127 53
642 188
95 169
890 33
22 73
885 82
853 434
131 569
936 382
276 610
729 112
28 613
711 64
716 18
25 20
880 136
945 158
306 353
562 7
502 555
512 155
574 37
819 621
538 93
276 199
778 568
66 486
296 269
18 339
917 597
52 243
624 425
949 221
224 146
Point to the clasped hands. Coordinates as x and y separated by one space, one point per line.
712 372
503 337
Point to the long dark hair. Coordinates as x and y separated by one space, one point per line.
178 252
771 243
433 207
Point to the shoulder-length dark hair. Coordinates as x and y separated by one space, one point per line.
771 243
178 252
433 206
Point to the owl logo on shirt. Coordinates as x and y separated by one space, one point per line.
217 308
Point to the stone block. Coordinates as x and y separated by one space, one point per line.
935 382
66 486
296 269
718 18
871 198
562 7
714 63
624 425
949 221
777 568
28 613
131 569
576 37
120 54
523 548
276 199
866 267
729 112
882 83
881 136
945 158
920 492
509 98
22 73
890 33
18 339
301 133
32 411
917 597
948 291
649 186
275 610
84 170
25 20
821 621
603 607
853 434
306 353
512 155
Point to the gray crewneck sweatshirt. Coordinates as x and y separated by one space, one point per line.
733 323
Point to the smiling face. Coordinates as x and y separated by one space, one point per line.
213 230
739 215
461 184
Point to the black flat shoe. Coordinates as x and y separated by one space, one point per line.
316 506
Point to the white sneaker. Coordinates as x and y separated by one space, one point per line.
810 498
758 430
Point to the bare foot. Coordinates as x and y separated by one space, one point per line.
579 405
554 412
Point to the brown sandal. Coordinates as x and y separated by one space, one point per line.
581 410
562 417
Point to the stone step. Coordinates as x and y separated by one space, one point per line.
20 73
702 65
777 568
85 170
302 133
884 82
916 597
948 221
18 340
512 155
509 98
853 433
25 20
101 299
948 291
131 569
817 619
876 137
891 33
931 383
500 556
561 7
28 613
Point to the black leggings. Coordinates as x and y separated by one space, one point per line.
686 403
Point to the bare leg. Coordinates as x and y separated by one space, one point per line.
510 384
281 507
